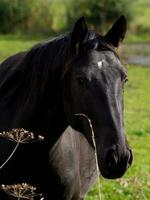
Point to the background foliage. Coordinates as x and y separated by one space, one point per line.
58 15
13 14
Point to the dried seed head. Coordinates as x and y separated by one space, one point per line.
20 136
23 190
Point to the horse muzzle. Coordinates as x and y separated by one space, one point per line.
115 163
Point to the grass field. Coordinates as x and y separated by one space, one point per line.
135 185
11 46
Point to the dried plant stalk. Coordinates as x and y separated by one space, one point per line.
95 151
21 191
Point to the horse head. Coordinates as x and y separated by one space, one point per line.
93 85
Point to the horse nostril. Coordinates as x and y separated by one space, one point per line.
112 158
130 158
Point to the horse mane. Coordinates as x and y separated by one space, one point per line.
34 72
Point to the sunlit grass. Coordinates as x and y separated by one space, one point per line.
137 101
9 46
137 37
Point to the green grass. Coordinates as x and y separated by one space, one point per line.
10 45
133 37
137 102
135 185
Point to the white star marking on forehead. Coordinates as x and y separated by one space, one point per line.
100 64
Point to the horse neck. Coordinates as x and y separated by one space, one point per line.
41 109
54 122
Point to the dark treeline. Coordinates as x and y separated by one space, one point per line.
55 16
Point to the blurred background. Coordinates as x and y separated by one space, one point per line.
24 23
36 20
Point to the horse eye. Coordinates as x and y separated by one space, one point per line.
124 77
126 80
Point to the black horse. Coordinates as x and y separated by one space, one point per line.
43 89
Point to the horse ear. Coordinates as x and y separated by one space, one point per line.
79 34
117 33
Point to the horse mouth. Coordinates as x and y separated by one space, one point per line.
117 168
114 174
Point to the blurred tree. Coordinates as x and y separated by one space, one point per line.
12 14
40 19
51 16
99 13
